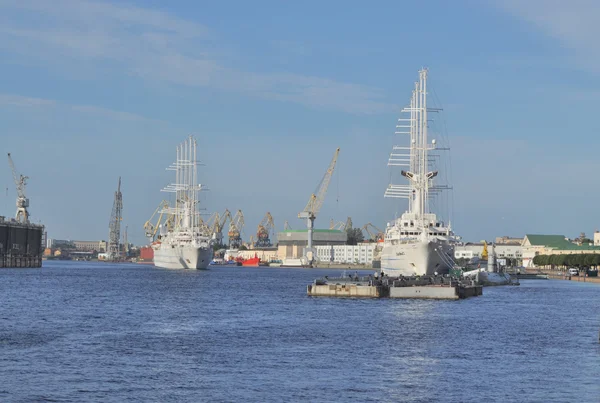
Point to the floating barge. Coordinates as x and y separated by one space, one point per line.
21 244
425 287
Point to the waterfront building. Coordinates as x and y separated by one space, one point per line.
506 240
291 243
264 254
503 251
88 246
535 244
363 253
83 246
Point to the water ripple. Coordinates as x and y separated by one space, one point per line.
91 332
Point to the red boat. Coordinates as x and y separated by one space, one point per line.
252 261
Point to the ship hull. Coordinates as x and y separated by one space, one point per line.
182 257
417 259
253 262
487 278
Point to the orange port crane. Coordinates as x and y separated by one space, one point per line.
265 228
236 226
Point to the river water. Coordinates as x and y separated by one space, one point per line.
75 331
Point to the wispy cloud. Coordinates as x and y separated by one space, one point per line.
110 113
21 101
8 100
158 46
574 24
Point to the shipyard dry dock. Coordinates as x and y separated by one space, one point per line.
20 244
427 287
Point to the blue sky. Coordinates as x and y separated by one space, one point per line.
93 90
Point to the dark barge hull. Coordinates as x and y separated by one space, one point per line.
21 245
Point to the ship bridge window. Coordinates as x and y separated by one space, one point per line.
437 224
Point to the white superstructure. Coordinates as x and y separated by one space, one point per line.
184 241
417 243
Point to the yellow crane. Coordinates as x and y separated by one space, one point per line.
150 228
212 223
341 226
226 216
484 254
235 229
216 223
375 234
315 201
264 230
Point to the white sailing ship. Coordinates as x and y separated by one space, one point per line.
184 241
417 243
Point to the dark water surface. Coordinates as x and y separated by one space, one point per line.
75 331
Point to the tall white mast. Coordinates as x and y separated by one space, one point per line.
186 187
424 146
416 156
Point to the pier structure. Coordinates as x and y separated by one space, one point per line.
419 287
21 244
21 241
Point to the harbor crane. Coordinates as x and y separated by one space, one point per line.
287 226
375 234
235 229
114 226
212 222
314 205
265 228
22 200
340 225
216 223
150 229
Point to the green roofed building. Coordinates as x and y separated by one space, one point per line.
534 244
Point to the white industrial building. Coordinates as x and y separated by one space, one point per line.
474 250
363 253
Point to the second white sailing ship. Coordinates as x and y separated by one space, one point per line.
417 243
184 243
